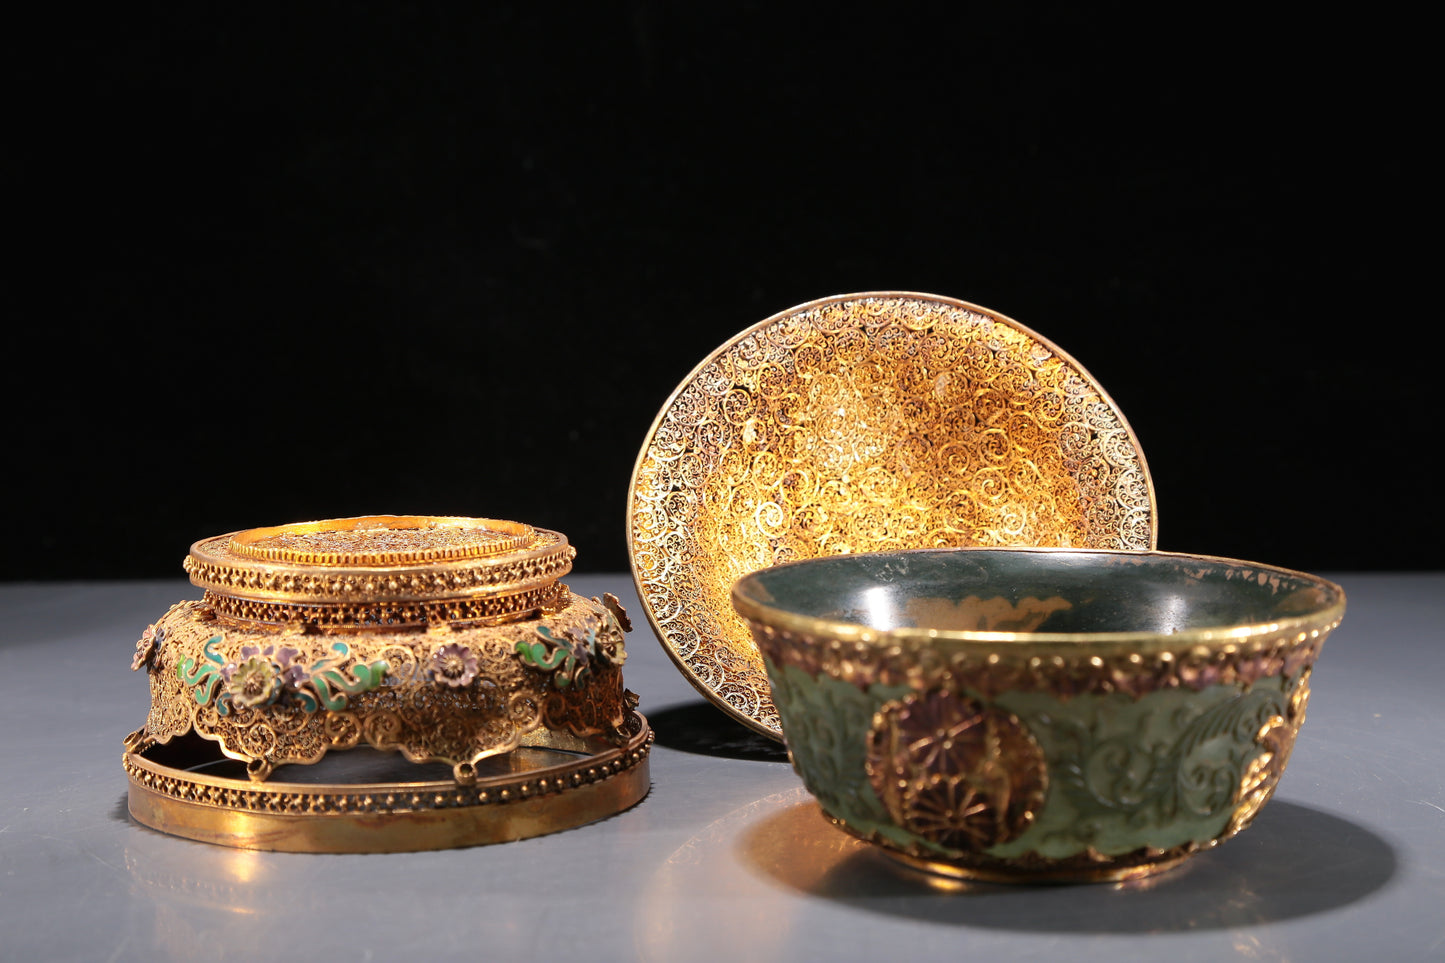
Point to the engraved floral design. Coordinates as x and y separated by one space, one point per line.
453 664
1276 738
956 773
1196 774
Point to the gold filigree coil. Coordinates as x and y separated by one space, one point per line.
859 423
441 639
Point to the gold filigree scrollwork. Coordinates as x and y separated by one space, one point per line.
455 694
958 774
866 423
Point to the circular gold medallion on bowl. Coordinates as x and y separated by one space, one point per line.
954 772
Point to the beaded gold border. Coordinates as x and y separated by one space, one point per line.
991 671
485 610
508 537
393 817
211 566
1063 664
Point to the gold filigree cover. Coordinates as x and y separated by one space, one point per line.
416 568
446 639
455 694
861 423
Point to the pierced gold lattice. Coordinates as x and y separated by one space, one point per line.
861 423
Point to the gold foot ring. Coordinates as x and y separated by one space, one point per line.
596 779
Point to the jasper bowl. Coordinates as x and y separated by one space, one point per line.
1039 714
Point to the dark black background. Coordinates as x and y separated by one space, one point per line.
364 259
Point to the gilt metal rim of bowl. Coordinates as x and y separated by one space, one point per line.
763 718
1028 643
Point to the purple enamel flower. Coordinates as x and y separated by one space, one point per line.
145 648
453 664
293 673
581 649
283 660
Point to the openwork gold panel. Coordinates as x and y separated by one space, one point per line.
865 423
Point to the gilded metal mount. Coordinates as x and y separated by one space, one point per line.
442 639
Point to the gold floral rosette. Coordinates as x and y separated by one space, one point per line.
444 639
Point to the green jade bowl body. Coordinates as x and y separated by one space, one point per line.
1039 714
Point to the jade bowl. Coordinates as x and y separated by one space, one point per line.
1039 714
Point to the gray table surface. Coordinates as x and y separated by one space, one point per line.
727 857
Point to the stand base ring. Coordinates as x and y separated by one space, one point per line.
389 817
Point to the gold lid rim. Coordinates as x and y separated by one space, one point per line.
250 543
213 564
